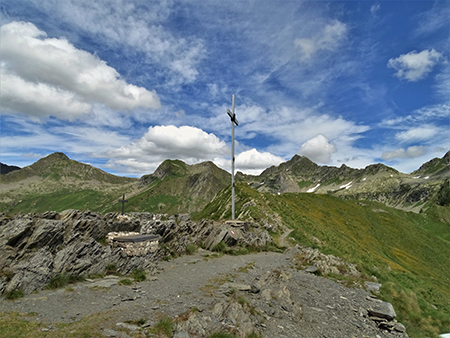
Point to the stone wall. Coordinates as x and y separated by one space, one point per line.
132 248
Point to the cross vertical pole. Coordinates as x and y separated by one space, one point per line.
232 161
234 121
123 201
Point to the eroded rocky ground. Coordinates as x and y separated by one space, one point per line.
262 293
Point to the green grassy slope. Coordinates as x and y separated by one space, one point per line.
176 187
58 183
64 199
409 253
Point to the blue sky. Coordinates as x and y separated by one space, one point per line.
124 85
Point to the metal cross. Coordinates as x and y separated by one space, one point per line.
234 121
123 200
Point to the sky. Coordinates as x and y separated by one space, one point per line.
124 85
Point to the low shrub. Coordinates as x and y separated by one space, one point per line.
138 322
111 269
8 274
125 281
164 326
191 248
219 247
62 279
14 294
138 275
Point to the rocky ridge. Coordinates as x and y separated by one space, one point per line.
37 247
269 294
376 182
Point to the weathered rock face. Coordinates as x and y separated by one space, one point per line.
37 247
178 232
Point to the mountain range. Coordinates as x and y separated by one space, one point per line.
394 227
58 183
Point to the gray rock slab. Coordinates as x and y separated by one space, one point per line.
127 326
136 238
371 286
105 282
311 269
237 286
382 310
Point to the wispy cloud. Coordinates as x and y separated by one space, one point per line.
434 19
421 115
421 133
327 39
374 9
137 26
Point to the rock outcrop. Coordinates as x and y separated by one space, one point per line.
177 232
34 248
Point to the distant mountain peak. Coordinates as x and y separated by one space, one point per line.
435 166
5 169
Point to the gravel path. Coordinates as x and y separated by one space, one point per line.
329 309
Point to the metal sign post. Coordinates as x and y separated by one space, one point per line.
233 122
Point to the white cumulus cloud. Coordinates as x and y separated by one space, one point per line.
415 66
318 149
189 144
50 77
254 162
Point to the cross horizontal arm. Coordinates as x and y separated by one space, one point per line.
232 117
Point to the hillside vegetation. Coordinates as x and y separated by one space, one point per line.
57 183
408 253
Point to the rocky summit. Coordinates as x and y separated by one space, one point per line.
416 191
190 285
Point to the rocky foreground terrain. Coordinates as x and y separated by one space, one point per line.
265 294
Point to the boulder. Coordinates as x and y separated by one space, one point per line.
216 236
382 310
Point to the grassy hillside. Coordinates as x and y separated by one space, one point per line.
177 187
58 183
409 253
62 200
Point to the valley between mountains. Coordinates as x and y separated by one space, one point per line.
317 240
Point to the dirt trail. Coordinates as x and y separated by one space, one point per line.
329 309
